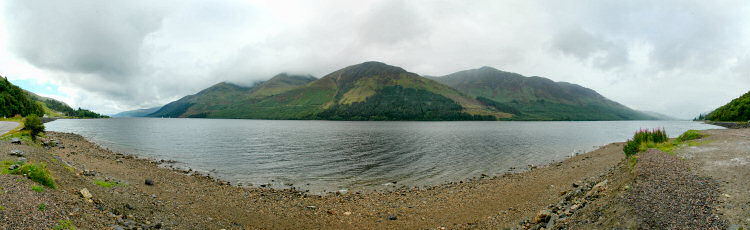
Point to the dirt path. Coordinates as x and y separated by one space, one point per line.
7 126
725 156
187 201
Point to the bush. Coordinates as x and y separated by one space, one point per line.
644 136
689 135
34 125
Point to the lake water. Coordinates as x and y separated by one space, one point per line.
332 155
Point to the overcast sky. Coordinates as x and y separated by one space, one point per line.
679 58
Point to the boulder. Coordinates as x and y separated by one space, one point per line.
543 216
15 140
149 182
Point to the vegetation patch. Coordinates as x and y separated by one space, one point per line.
64 225
42 206
643 139
106 184
36 172
37 188
690 135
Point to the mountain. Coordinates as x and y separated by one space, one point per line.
366 91
736 110
137 112
537 98
14 101
227 98
55 108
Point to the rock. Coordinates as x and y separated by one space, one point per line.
86 194
392 217
89 172
575 185
16 152
156 225
22 159
13 167
551 223
128 206
149 182
347 213
543 216
311 207
15 140
117 227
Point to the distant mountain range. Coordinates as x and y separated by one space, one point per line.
377 91
137 112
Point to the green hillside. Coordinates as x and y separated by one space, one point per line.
367 91
55 108
537 98
15 101
736 110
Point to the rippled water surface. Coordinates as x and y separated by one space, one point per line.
333 155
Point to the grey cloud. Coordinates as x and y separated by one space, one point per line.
129 54
94 37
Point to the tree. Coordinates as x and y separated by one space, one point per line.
34 125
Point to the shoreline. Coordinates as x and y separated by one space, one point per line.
211 203
173 166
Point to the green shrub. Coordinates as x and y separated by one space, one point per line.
64 225
34 125
643 139
38 173
42 206
689 135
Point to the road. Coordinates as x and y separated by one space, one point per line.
6 126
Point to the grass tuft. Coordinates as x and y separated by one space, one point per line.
37 188
689 135
106 184
42 206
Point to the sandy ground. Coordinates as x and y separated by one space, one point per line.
179 200
725 156
6 126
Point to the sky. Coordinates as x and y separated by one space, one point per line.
679 58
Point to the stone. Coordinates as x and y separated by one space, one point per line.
16 152
128 206
13 167
149 182
311 207
15 140
86 194
347 213
543 216
89 172
551 223
392 217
